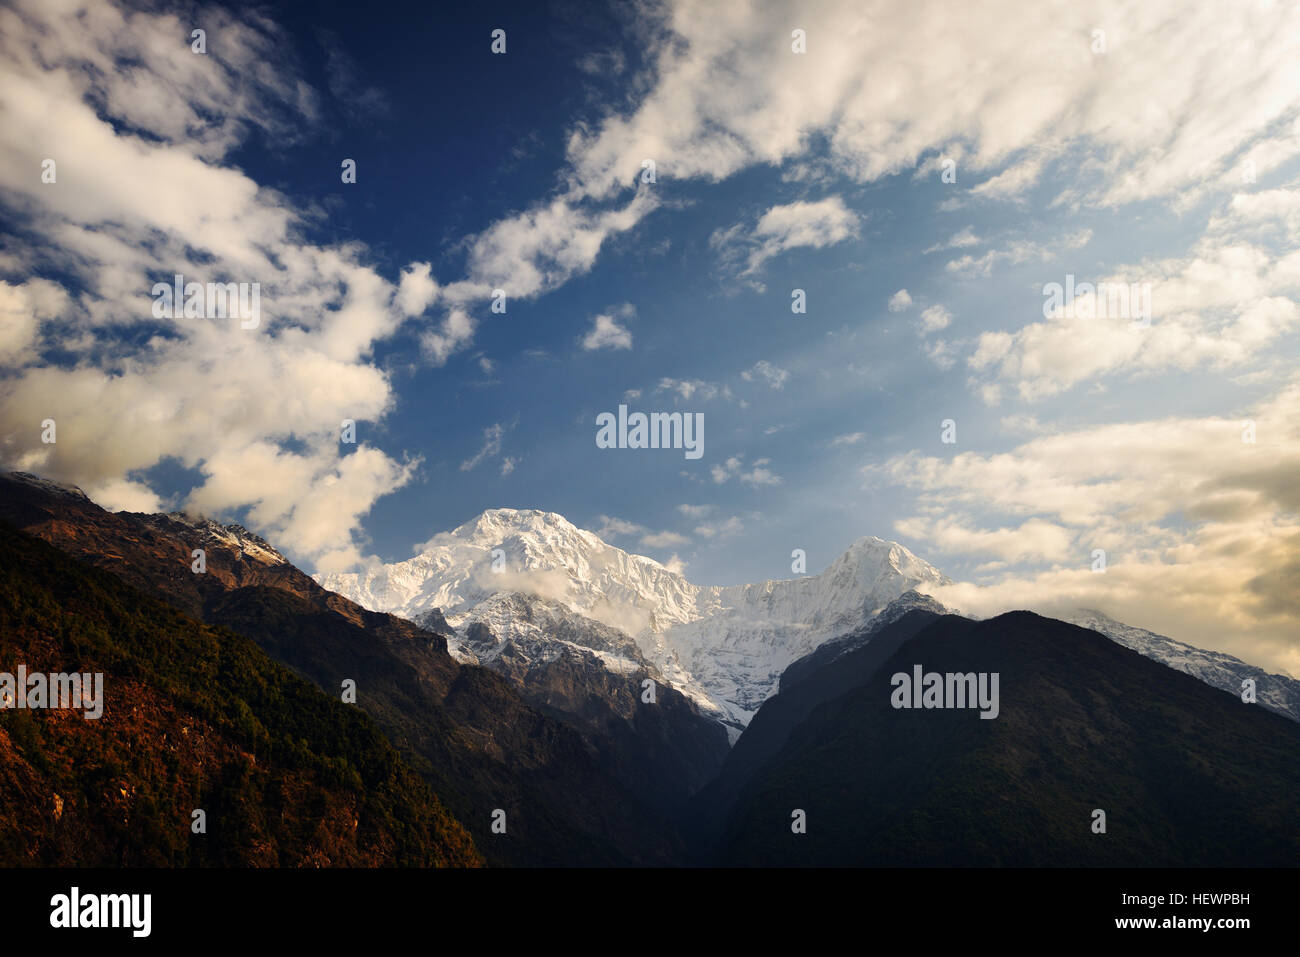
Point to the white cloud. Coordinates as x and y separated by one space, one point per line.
691 388
725 470
145 189
782 228
1012 181
1219 307
490 449
1017 252
663 540
722 529
544 247
611 527
900 301
935 318
718 95
416 290
1214 81
123 495
958 240
454 332
1033 539
1199 527
942 354
764 370
675 565
758 475
606 333
695 511
23 308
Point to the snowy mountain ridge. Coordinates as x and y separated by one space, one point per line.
724 646
1276 692
532 586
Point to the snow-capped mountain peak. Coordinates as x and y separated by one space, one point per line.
723 645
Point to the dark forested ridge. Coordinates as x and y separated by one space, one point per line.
465 729
195 717
1186 774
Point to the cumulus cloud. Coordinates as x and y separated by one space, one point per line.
900 301
416 290
1218 307
720 529
734 467
455 331
942 353
781 228
547 245
606 333
935 318
1033 539
717 95
611 527
663 539
692 388
1199 526
675 565
123 495
145 190
23 308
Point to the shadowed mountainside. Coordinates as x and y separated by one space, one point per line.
463 728
1186 774
194 717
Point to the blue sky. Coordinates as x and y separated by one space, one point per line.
1155 155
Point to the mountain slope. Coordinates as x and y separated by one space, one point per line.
820 678
194 717
594 678
463 728
1187 775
